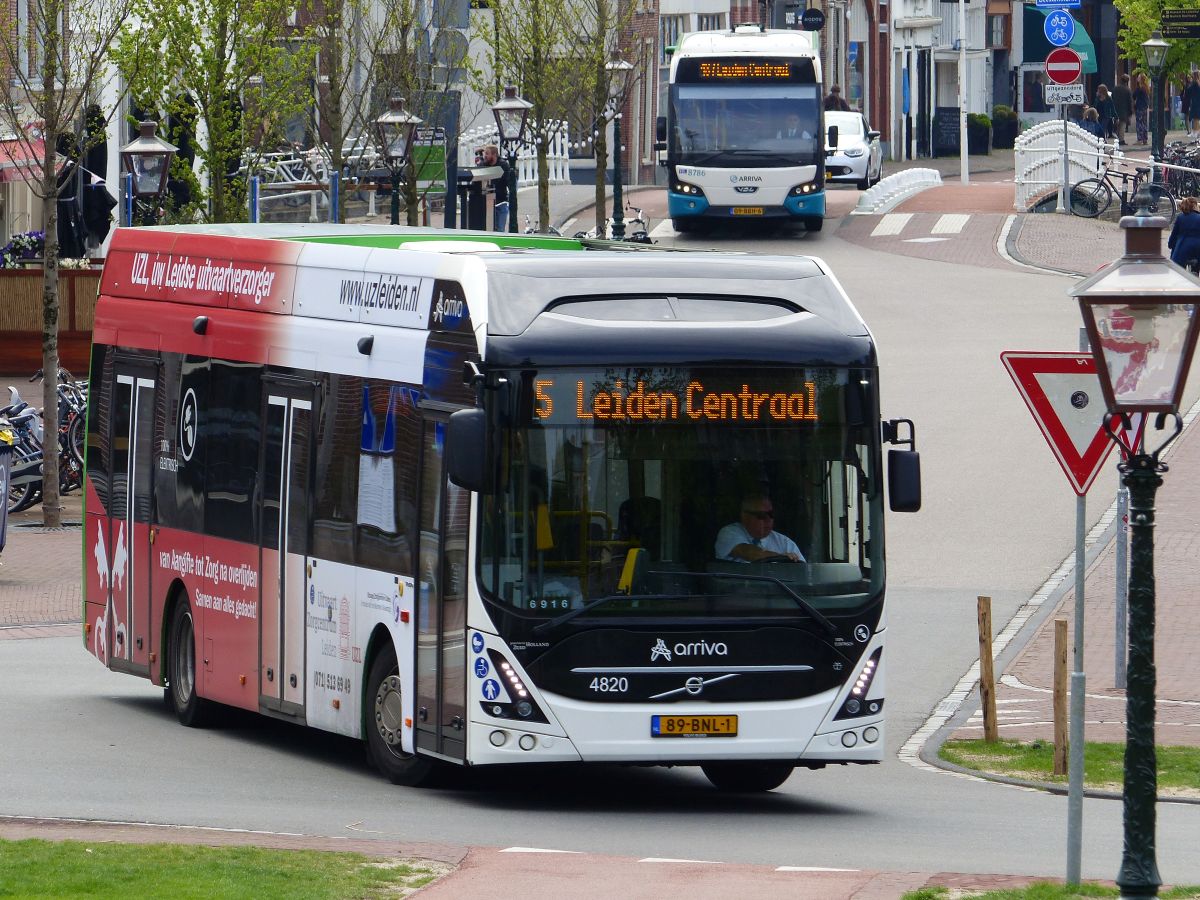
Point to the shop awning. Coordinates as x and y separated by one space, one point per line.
1036 45
18 160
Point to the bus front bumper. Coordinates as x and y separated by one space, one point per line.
802 207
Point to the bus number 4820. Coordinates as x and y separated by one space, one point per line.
610 685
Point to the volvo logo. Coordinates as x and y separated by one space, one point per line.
694 685
660 650
745 188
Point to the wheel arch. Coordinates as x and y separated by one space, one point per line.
175 594
380 639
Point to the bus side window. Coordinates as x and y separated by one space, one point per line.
335 482
386 482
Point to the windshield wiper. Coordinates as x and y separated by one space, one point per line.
600 601
800 601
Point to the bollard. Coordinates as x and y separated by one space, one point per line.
1060 696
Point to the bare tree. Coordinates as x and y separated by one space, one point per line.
57 58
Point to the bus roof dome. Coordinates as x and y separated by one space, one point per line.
753 41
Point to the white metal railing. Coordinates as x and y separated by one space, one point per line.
557 153
1038 158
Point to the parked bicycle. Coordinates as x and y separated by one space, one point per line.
530 228
1091 197
24 487
637 230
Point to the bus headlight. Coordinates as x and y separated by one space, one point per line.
800 190
857 704
683 187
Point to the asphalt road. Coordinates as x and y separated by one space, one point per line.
998 518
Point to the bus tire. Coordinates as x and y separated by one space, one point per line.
747 777
814 223
385 723
191 709
683 226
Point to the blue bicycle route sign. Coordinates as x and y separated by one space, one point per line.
1059 27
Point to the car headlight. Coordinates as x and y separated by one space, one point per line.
854 151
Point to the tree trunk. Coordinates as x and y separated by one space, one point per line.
51 505
543 168
601 180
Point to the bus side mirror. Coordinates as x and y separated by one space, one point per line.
660 129
831 138
467 458
904 466
904 480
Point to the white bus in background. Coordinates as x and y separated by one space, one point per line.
743 132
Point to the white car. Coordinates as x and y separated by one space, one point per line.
858 157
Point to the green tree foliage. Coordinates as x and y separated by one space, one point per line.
56 62
240 68
1139 18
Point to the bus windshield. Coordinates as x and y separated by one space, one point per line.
627 491
746 124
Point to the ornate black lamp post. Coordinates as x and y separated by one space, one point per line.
511 113
394 130
147 159
1142 320
618 70
1155 50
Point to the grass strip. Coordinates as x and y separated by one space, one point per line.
39 869
1103 764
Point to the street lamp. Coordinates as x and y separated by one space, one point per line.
394 129
511 113
147 161
618 70
1142 320
1155 50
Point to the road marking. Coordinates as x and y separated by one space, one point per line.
891 223
812 869
566 225
951 223
535 850
924 240
667 859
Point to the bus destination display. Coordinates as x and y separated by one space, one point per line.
718 70
578 398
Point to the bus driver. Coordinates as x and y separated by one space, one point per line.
753 538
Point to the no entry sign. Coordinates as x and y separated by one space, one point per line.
1063 65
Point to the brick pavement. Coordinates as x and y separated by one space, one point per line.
40 572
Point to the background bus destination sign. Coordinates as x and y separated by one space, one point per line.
751 71
570 398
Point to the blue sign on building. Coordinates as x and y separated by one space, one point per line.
1058 4
1059 27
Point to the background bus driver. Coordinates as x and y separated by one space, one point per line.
753 538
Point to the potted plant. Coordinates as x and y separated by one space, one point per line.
979 133
26 248
1005 126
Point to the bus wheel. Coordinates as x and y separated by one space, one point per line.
191 710
747 777
813 223
386 723
683 226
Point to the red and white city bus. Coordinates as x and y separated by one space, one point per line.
458 495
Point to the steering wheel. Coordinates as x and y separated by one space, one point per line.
774 558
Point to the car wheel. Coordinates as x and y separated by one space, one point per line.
864 183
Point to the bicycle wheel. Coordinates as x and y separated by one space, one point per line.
1090 197
1161 201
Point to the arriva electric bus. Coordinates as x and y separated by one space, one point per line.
461 496
744 131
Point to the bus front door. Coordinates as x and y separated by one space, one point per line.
128 629
283 538
442 614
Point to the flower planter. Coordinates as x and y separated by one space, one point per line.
979 139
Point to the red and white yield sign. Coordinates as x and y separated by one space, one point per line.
1063 65
1062 391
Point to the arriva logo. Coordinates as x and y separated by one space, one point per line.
742 178
660 650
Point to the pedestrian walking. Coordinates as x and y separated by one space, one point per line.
1106 109
1141 108
834 99
1190 104
1122 98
